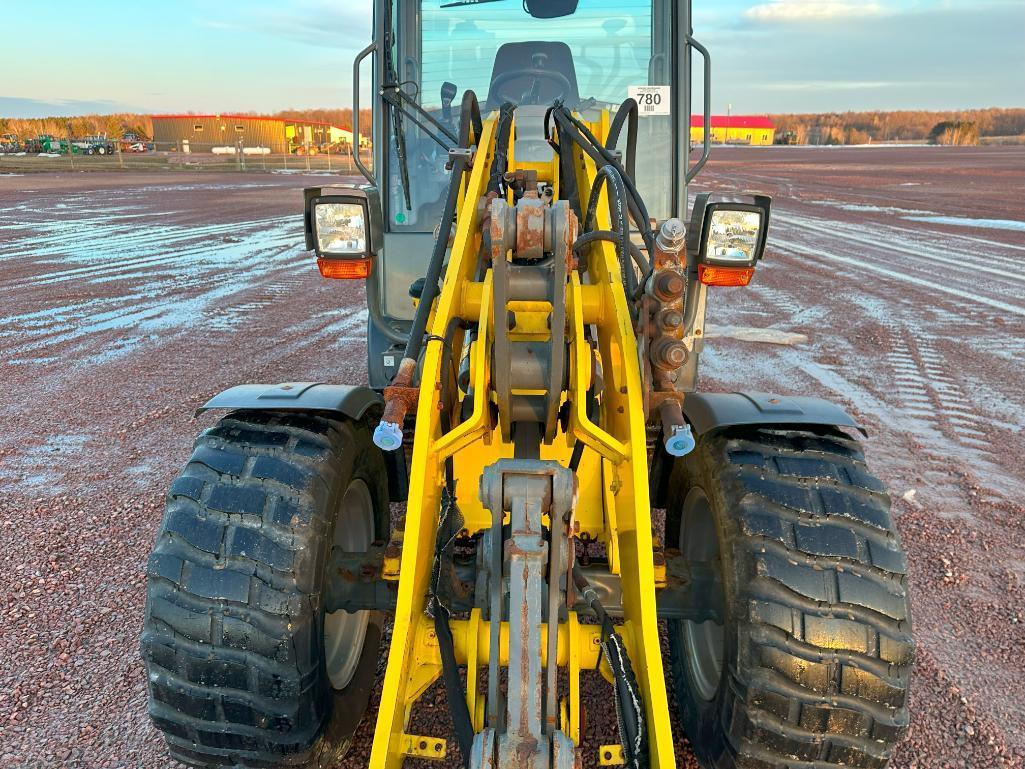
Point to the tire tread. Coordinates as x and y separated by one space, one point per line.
233 595
824 636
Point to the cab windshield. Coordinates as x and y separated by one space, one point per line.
593 59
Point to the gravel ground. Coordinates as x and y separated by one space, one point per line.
126 300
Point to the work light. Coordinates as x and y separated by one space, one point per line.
342 229
732 238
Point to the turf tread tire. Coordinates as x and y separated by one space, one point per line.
818 632
232 630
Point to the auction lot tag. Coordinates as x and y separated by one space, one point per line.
652 100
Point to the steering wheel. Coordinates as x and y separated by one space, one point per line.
530 72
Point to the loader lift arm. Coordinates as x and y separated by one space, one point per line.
612 500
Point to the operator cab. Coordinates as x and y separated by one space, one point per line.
589 55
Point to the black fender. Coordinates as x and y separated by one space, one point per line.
712 411
709 412
352 401
348 400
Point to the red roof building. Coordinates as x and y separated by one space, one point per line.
201 133
735 129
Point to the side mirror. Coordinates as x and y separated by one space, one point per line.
732 238
343 226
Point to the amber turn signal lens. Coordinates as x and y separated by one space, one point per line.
346 269
725 276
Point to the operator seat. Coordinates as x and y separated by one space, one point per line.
528 56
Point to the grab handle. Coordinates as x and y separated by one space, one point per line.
707 144
355 113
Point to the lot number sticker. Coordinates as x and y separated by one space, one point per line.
652 100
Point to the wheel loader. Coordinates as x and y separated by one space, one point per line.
532 491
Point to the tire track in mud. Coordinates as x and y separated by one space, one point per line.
929 392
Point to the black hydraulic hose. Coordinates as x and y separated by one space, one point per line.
567 171
610 177
581 135
423 310
581 243
501 162
628 110
591 599
436 265
462 722
629 707
470 118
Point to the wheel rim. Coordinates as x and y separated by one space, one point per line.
345 632
704 642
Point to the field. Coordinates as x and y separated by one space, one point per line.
334 161
894 284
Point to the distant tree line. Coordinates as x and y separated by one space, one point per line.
114 126
961 127
964 127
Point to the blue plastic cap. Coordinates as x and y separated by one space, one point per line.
388 436
680 442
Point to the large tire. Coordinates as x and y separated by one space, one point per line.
234 633
810 668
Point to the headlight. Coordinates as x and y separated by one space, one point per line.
733 236
340 227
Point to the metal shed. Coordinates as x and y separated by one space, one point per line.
206 132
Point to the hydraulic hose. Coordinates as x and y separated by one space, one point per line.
628 110
501 162
610 177
388 435
629 705
470 118
581 243
572 129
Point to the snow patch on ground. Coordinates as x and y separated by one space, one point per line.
863 208
964 221
303 172
748 334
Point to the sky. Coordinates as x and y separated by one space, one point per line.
769 56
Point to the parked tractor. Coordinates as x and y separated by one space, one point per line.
32 146
537 286
94 145
9 144
52 145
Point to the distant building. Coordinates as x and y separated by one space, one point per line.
734 129
203 132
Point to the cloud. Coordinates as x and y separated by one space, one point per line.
324 23
916 57
813 10
832 85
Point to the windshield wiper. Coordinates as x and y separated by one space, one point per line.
470 2
401 104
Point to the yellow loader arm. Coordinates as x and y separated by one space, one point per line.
611 500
